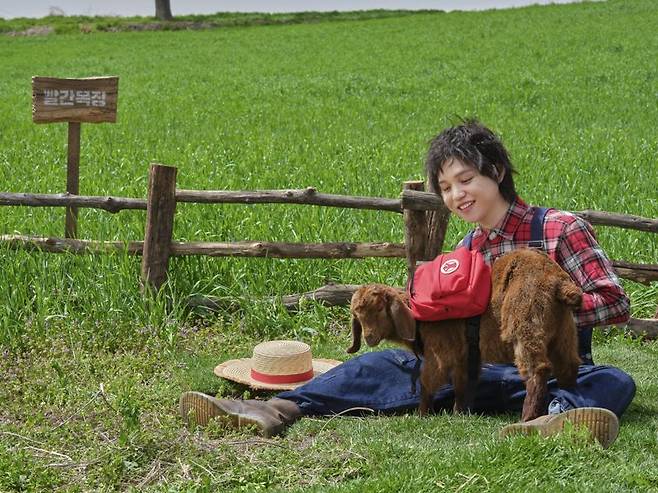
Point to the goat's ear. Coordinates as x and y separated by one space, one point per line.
404 322
356 335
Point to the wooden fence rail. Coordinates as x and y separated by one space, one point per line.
305 196
416 200
410 200
642 273
110 204
211 249
424 215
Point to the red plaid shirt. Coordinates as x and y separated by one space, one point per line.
570 241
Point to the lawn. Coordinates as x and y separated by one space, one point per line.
90 376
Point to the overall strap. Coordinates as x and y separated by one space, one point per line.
537 241
585 345
537 228
468 239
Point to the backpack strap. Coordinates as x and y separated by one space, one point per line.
418 348
474 359
537 228
473 356
473 341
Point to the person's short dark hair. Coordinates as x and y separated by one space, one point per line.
474 144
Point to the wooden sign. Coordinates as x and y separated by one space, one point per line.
92 100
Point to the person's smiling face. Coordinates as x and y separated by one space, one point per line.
471 195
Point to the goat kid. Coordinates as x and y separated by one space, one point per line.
528 322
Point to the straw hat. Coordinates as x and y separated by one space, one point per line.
276 365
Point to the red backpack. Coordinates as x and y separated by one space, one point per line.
453 285
458 284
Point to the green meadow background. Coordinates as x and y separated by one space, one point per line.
93 374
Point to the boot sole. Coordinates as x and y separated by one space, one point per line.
602 425
200 409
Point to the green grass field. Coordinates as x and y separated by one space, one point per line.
90 377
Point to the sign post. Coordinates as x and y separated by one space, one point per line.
91 100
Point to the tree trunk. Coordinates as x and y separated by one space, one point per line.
163 10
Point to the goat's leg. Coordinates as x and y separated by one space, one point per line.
534 367
425 401
432 376
464 394
565 368
564 353
534 404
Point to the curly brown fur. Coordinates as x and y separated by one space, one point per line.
528 322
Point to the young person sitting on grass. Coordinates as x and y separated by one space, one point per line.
470 166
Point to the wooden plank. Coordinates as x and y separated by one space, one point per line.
92 100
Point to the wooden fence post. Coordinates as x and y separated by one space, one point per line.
437 224
73 179
160 208
415 231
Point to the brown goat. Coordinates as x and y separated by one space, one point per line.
528 322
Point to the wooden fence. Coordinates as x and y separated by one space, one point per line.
425 219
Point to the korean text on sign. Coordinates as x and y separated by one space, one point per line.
69 97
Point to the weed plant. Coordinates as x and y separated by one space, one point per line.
90 374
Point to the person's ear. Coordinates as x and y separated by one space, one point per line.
500 173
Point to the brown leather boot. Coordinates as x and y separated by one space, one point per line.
601 424
271 417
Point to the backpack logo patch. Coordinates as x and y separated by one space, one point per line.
449 266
